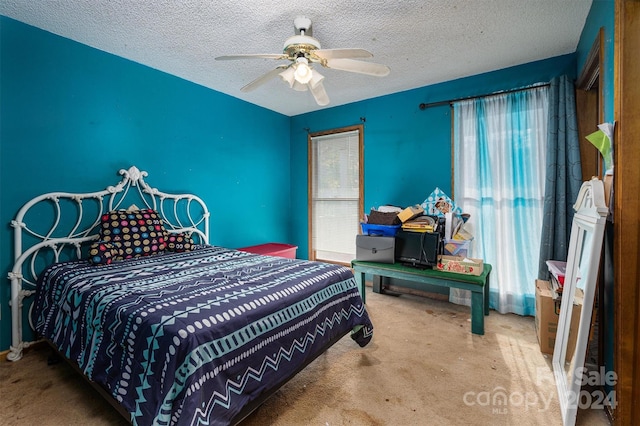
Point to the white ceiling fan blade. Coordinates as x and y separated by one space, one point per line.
318 92
261 80
360 67
252 56
343 53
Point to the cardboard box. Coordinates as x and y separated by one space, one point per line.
458 265
547 314
410 213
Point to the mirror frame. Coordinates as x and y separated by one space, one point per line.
585 245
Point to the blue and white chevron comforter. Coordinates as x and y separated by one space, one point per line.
191 338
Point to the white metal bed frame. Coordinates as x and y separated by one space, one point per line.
180 212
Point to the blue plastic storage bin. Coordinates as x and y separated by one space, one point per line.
384 230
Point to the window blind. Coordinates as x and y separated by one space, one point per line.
335 195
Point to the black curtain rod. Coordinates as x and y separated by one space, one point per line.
424 106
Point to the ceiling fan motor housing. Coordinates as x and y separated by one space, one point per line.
302 43
300 46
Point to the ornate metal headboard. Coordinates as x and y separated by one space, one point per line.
61 225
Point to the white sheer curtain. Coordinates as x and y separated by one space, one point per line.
499 175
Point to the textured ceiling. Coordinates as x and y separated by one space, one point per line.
423 41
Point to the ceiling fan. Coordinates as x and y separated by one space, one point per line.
303 51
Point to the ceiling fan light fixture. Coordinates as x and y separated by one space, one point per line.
319 94
316 78
303 72
288 76
300 87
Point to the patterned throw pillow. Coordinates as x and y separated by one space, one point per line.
102 253
134 233
180 242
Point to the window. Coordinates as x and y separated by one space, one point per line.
335 193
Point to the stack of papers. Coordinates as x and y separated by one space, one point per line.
557 269
420 224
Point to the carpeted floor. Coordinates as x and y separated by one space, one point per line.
423 367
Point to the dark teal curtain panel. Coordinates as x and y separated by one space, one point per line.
564 173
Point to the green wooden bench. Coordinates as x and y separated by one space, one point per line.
478 285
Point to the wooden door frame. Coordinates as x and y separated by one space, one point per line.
626 211
590 106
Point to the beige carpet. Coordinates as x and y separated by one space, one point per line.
423 367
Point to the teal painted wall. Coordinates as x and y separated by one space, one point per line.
407 151
601 15
72 116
